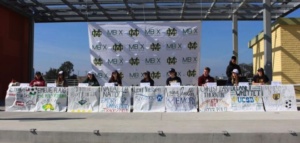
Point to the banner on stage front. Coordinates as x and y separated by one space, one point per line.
214 99
21 99
279 98
149 99
83 99
181 99
246 98
115 99
52 99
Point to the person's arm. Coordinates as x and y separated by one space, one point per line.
42 83
120 82
239 69
179 79
152 83
96 83
254 81
266 79
167 82
212 79
200 81
31 83
228 71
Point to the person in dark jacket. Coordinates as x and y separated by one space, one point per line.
232 65
147 78
260 78
91 79
205 78
115 78
173 77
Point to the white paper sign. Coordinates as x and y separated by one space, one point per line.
53 99
243 83
145 84
149 99
115 99
214 99
83 85
211 84
51 84
181 99
21 99
246 98
175 84
276 83
24 84
83 99
109 84
279 98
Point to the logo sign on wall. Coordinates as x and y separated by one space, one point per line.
136 47
279 98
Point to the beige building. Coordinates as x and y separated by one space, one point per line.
285 51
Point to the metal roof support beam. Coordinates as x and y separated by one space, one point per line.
130 12
75 9
237 9
235 37
210 9
182 9
261 11
102 9
156 9
267 39
47 9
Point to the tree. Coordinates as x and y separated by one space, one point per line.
51 74
247 69
67 67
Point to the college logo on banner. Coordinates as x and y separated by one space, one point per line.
136 47
279 98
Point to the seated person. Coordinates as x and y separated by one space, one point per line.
91 79
61 81
260 78
115 78
147 78
13 83
173 77
205 78
234 79
38 80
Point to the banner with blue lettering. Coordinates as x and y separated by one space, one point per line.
181 99
214 99
83 99
246 98
279 98
149 99
20 99
115 99
52 99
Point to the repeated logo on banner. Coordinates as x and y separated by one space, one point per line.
136 47
152 99
83 99
182 99
279 98
115 99
149 99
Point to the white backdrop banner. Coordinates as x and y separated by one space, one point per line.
115 99
135 47
20 99
279 98
149 99
181 99
52 99
214 99
83 99
246 98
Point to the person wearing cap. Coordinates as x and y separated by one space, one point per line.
115 78
231 66
38 80
173 77
260 78
91 79
205 78
61 81
234 79
147 78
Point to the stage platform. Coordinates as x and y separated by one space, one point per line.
264 127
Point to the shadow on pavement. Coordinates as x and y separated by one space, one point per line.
41 119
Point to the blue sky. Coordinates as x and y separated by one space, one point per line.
55 43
